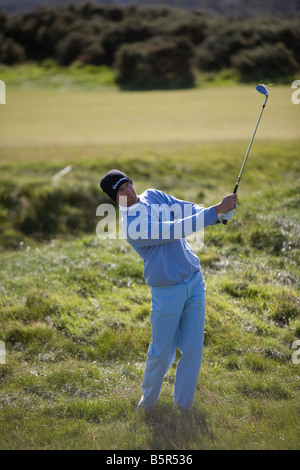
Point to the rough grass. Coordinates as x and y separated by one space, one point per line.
75 321
33 206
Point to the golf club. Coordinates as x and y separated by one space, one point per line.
263 90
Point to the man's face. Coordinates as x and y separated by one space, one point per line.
127 191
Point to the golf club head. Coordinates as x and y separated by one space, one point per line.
262 89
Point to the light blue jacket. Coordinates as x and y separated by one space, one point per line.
156 228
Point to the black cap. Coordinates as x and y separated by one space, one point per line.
112 181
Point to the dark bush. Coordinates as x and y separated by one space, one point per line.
129 31
11 52
23 30
205 61
227 38
94 34
265 62
157 63
289 35
93 54
114 13
70 47
194 28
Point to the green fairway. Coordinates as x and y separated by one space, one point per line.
42 117
74 310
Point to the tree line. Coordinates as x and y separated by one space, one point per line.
152 47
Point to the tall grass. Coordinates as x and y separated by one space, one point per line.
75 317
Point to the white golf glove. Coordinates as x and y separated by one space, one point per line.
226 216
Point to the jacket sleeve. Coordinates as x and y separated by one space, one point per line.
152 231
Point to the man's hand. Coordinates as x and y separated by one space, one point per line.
228 215
227 204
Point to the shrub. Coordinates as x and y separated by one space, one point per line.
129 31
93 34
11 52
93 54
195 28
268 61
70 47
241 41
205 61
223 40
157 63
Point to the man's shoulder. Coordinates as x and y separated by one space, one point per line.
153 196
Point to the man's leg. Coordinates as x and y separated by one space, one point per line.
190 343
166 309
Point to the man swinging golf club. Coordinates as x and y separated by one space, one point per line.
156 226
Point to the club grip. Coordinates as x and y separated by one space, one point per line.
234 192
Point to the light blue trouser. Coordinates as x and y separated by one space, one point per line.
177 320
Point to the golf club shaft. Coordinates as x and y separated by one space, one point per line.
247 153
251 141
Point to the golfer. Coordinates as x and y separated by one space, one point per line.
156 226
